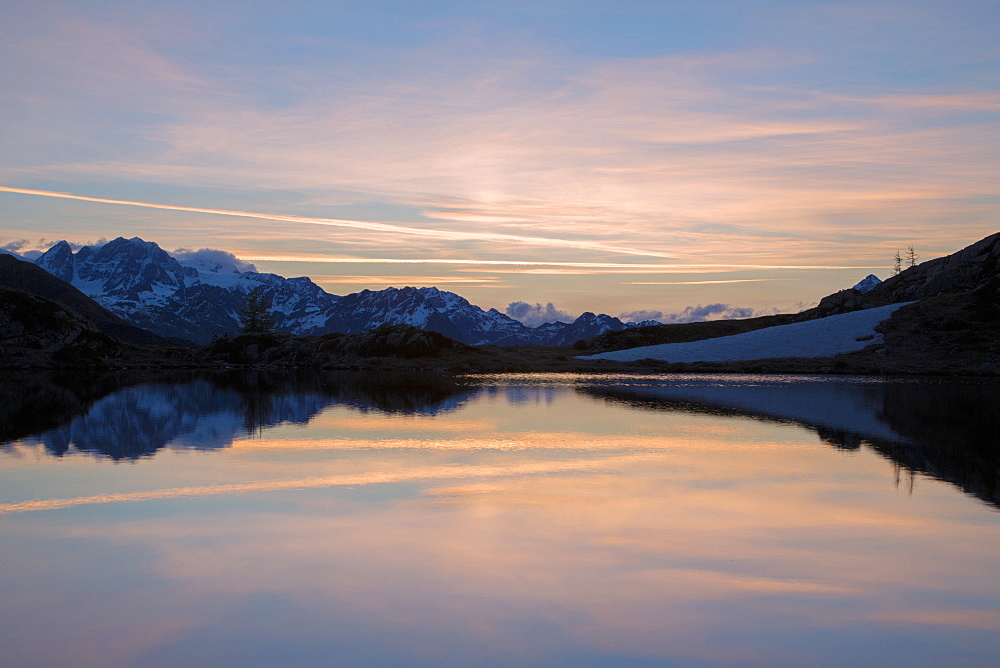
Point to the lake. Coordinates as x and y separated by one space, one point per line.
278 519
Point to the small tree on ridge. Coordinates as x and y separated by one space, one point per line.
256 317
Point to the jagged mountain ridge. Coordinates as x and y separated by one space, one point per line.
146 286
151 289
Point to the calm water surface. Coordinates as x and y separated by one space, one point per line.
540 520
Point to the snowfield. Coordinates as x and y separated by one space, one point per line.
822 337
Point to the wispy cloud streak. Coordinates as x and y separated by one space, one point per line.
250 257
735 280
365 279
450 235
319 482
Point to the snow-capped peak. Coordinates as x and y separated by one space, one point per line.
867 284
58 261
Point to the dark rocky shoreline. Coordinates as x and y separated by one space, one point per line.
402 348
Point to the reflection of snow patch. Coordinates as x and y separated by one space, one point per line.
837 404
822 337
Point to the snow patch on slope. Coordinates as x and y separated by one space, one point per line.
822 337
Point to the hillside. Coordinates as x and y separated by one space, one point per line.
974 269
27 277
954 324
36 332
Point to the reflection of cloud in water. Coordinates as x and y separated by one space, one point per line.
409 475
644 563
944 429
516 533
535 441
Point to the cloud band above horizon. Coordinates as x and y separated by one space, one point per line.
524 143
355 224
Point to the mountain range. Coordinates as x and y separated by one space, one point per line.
951 324
198 300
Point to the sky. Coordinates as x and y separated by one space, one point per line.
636 158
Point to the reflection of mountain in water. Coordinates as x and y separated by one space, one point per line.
204 412
948 429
